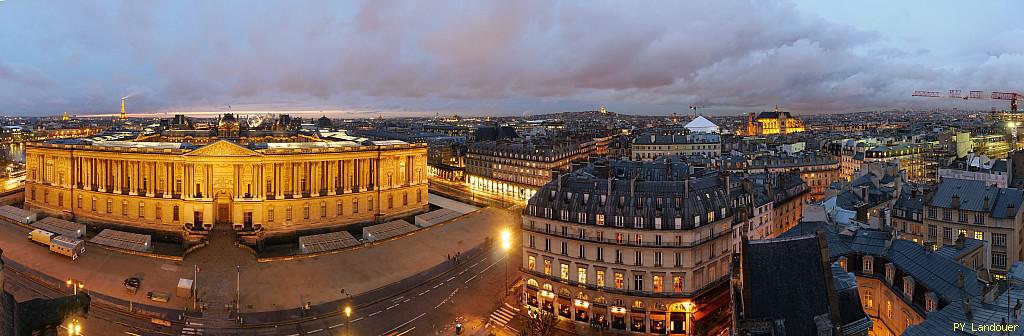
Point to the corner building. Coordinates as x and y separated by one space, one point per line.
183 183
631 246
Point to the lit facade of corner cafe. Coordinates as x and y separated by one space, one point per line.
608 311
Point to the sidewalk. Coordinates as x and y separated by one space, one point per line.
264 286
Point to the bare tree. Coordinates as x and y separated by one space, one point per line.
540 323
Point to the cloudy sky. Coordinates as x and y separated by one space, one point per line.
386 57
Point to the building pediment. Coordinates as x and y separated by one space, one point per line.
223 148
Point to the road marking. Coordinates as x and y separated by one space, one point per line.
492 265
294 335
463 272
441 303
405 332
470 279
392 306
378 312
315 331
438 285
449 279
354 321
335 326
405 324
425 292
474 265
398 298
406 300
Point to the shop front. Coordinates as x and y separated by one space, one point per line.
637 321
564 307
678 315
658 322
600 316
582 310
547 301
618 318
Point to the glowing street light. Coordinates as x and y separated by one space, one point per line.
348 321
74 328
506 245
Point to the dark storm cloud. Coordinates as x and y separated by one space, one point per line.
462 55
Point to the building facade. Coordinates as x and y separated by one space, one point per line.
260 189
985 213
773 122
648 147
817 170
632 246
519 168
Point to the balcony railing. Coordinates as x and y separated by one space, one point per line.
630 292
626 242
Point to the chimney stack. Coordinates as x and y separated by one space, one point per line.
954 201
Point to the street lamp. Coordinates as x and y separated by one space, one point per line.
348 321
506 245
74 328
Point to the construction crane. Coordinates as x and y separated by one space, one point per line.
1013 97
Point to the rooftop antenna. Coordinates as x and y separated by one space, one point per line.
694 108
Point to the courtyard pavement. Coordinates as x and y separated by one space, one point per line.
264 286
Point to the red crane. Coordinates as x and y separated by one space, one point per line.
1013 97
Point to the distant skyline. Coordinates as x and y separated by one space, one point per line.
406 58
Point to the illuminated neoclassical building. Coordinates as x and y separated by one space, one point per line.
773 122
262 182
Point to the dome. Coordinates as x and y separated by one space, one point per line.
228 121
324 122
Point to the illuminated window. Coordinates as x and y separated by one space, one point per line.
600 278
677 283
979 235
547 267
658 283
532 263
581 274
888 309
565 271
619 280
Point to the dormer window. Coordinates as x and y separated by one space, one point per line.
890 272
869 265
639 223
564 215
908 286
547 213
842 263
696 221
931 302
599 219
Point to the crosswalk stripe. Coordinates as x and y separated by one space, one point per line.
502 316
